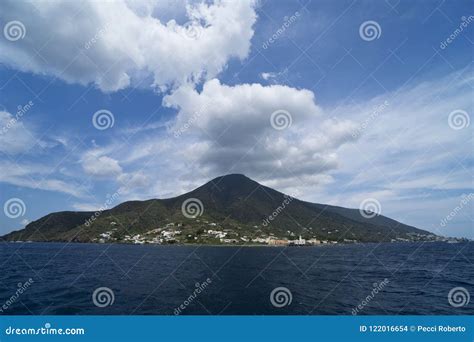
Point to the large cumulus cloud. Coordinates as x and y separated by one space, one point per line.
118 43
226 129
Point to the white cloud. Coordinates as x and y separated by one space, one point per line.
96 164
410 144
268 75
86 206
407 155
133 182
37 176
115 43
14 136
280 77
229 129
17 139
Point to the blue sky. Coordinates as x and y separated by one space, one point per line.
380 115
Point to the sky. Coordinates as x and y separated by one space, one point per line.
350 103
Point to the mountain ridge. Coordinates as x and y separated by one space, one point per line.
234 204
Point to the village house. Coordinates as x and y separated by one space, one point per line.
277 242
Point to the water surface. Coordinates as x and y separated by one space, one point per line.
156 280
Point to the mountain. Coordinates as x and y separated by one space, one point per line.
234 208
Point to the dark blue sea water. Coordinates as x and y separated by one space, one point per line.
156 280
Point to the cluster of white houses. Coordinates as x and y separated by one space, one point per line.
172 233
299 242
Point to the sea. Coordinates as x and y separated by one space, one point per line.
434 278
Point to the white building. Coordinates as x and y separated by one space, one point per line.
298 242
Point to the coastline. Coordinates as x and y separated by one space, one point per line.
234 245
